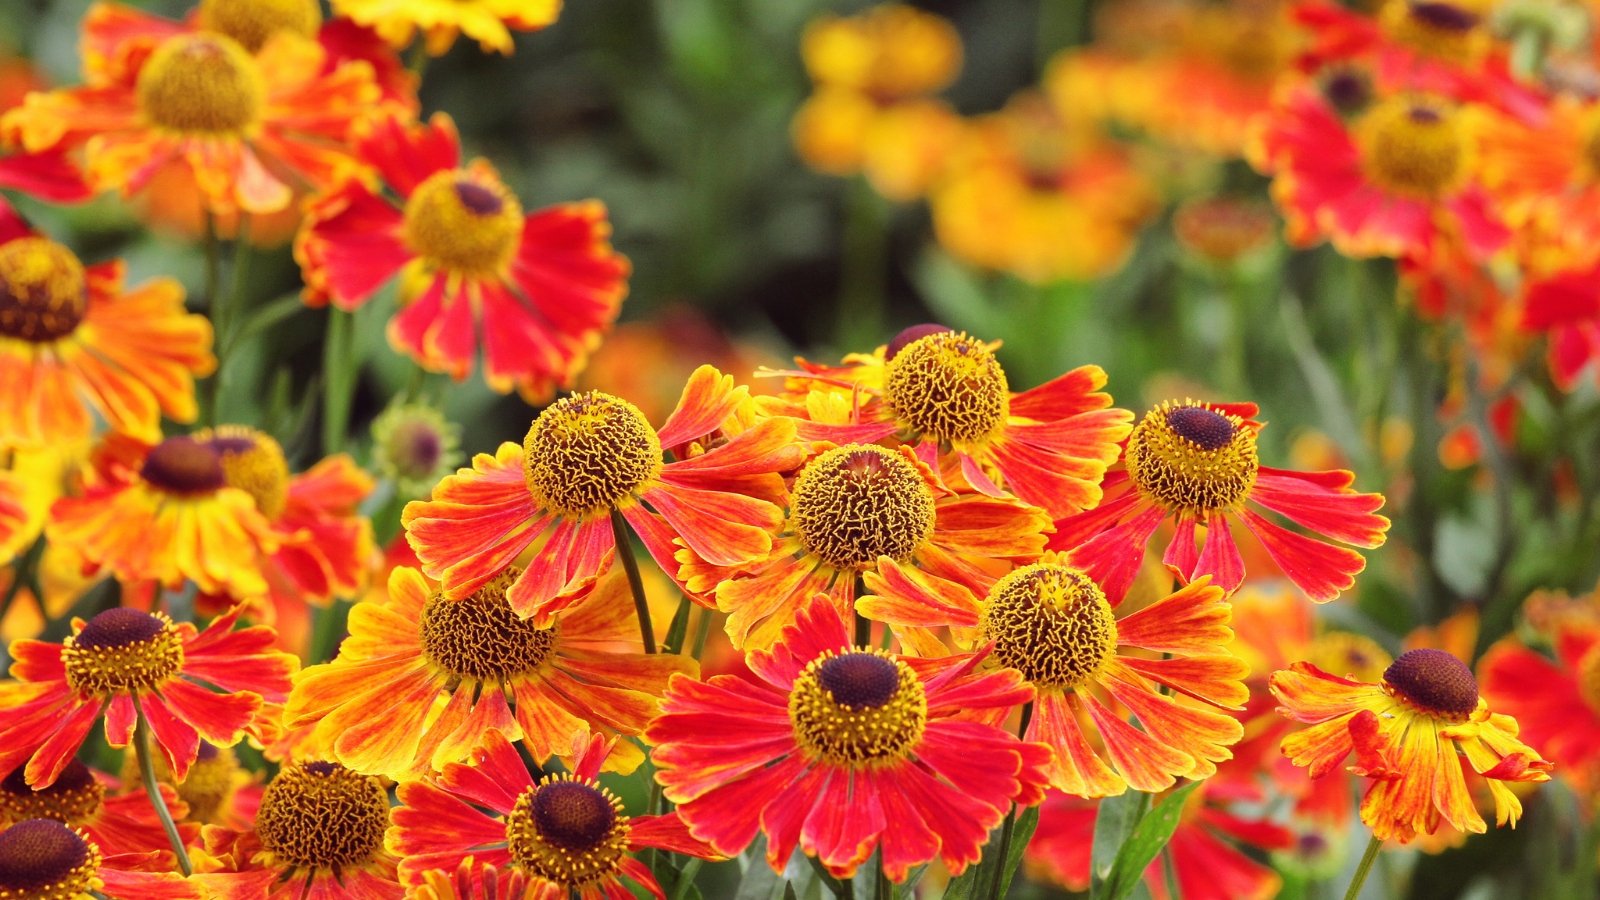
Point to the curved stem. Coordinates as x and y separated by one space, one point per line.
147 771
1362 869
1011 817
619 531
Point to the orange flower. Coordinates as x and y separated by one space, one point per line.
440 22
122 823
251 128
1556 701
944 393
318 835
167 513
45 858
129 664
509 833
589 459
420 678
824 545
540 288
1410 732
1053 624
74 345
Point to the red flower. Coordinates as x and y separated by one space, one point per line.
540 289
124 663
586 457
845 751
507 835
1566 306
1556 702
1196 463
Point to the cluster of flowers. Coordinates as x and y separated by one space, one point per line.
903 498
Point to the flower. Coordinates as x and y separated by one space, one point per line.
1556 702
1027 175
512 836
824 546
217 791
589 457
420 677
130 664
1204 850
1410 732
318 835
76 345
51 175
866 68
1398 180
123 823
440 22
1196 463
321 542
846 750
251 127
1566 307
541 288
167 513
944 391
415 446
1053 625
45 858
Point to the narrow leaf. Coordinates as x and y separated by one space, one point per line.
1113 823
1155 828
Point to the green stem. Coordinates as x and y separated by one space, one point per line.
212 247
223 318
1011 817
680 888
147 771
702 630
630 565
339 368
1373 846
863 279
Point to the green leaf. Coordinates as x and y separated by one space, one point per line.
1144 844
1112 826
975 882
678 629
759 882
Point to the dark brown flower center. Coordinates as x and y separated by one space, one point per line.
72 798
42 858
569 831
859 680
184 466
1434 681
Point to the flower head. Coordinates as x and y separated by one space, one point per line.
1197 464
540 288
1555 701
420 677
88 346
500 828
44 857
588 456
81 798
415 446
1413 733
1052 625
129 664
252 126
318 833
845 750
440 22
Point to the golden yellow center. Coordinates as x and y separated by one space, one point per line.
43 292
586 453
1051 623
1433 682
253 22
1412 147
122 651
855 503
1191 458
1349 655
481 637
948 386
42 859
1443 31
254 463
206 790
858 708
73 798
1588 676
201 84
320 815
569 831
464 222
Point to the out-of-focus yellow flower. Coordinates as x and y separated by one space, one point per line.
873 73
489 22
1041 197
